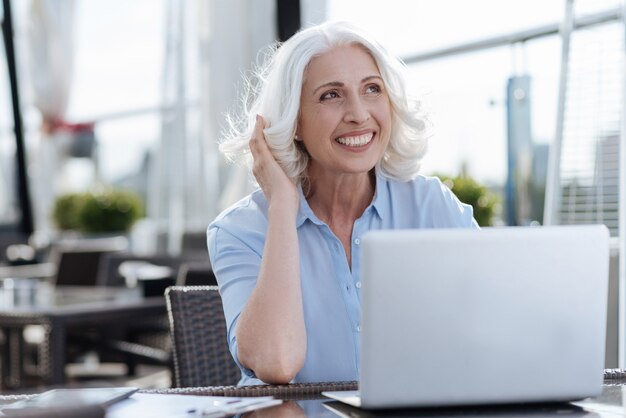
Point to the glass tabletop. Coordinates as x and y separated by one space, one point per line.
33 294
610 404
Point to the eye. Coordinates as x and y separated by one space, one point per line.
373 88
333 94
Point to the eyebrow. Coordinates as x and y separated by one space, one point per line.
340 84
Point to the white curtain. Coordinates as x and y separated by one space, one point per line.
220 40
51 54
50 36
209 45
313 12
239 30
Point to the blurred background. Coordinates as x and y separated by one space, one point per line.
110 111
133 95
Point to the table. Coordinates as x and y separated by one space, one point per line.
610 404
56 309
40 270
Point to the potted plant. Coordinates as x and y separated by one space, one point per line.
98 212
478 196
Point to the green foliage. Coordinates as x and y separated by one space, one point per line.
66 210
98 212
471 192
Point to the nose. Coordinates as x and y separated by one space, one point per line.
356 110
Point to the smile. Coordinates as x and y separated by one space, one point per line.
356 141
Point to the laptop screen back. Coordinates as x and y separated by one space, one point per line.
448 315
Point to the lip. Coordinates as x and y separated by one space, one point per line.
357 133
357 149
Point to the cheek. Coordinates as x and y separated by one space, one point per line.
383 116
323 121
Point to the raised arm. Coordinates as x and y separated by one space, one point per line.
271 335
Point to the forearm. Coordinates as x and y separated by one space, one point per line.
271 335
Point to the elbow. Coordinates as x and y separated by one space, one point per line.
277 368
279 372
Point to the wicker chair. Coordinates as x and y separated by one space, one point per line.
295 391
198 331
202 362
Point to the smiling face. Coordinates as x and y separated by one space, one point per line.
345 113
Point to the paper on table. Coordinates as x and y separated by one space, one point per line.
188 406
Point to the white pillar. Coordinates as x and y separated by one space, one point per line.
622 219
553 183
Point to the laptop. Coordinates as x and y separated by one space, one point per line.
469 317
541 410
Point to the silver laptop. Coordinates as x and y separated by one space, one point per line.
466 317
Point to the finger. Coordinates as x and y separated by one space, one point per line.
258 144
259 126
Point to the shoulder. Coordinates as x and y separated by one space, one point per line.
421 186
435 205
245 221
250 209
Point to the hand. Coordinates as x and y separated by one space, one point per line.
275 184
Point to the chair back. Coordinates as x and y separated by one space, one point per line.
194 241
110 275
198 331
79 260
196 274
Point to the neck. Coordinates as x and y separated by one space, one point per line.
340 198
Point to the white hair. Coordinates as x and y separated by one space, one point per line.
274 92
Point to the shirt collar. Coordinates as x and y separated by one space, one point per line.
380 203
305 212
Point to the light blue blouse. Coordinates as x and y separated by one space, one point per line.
330 290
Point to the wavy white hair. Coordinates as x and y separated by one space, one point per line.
273 91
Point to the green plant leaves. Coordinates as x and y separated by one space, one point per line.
109 210
471 192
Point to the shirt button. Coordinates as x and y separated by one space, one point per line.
358 328
358 285
357 241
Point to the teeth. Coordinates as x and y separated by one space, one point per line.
356 141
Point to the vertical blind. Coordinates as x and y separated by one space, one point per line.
589 169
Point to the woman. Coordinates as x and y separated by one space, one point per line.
336 145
